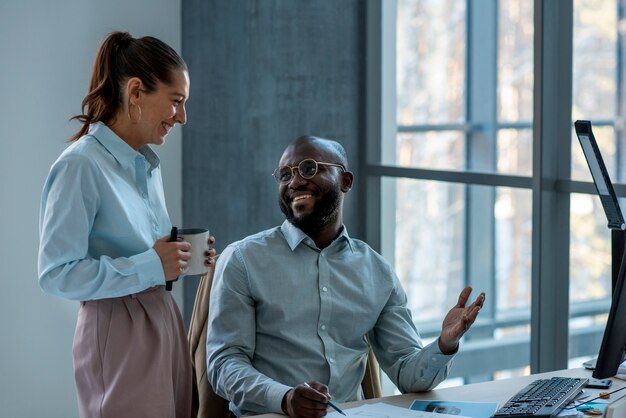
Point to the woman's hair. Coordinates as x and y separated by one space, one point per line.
120 58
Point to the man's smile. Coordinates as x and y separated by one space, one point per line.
301 197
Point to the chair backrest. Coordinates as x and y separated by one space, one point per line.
371 380
206 401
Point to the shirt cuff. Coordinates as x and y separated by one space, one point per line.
275 395
149 268
435 355
433 368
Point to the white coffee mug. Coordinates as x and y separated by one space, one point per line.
199 240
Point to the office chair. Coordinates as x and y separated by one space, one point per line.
206 402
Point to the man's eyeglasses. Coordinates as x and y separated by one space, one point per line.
307 170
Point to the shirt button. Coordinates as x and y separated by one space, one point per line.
323 327
325 289
331 360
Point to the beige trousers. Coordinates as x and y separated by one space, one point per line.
131 358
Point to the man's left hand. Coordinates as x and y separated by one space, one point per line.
458 321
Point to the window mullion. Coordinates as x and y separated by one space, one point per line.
552 129
481 79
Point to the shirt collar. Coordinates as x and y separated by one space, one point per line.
121 151
294 236
151 157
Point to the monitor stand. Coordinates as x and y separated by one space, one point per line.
618 243
621 372
618 240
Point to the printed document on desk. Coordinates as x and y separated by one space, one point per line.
383 410
470 409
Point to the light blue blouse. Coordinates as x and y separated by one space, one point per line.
102 209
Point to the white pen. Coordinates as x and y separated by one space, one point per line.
332 405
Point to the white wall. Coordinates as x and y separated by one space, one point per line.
46 52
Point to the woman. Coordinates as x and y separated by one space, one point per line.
104 236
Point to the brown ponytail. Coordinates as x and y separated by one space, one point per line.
119 58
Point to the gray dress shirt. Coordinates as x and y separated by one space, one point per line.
283 312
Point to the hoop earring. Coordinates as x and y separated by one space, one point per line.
130 117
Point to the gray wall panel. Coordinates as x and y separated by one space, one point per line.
47 51
263 73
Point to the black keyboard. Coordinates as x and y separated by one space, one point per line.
542 398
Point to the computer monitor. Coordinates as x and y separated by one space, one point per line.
613 347
600 175
607 195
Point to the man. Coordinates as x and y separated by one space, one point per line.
298 303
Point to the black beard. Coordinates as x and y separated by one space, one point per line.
325 212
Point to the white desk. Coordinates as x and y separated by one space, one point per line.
494 391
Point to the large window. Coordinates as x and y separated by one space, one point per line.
460 160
